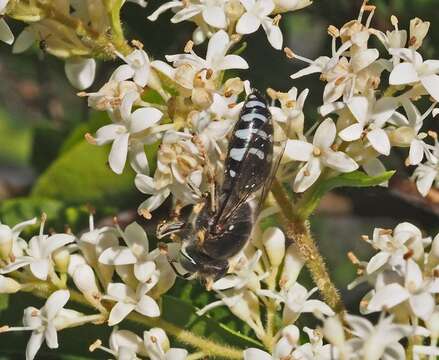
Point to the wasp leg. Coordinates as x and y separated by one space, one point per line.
166 228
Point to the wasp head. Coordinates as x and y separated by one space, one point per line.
206 268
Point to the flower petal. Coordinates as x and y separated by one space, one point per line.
40 269
307 175
55 242
377 261
274 34
388 297
431 84
379 140
339 161
404 73
144 118
298 150
256 354
119 312
35 341
352 132
117 255
215 16
6 34
80 72
325 134
145 184
422 305
118 153
248 23
176 354
55 302
148 306
233 62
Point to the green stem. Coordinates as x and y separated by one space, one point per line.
298 231
208 347
116 25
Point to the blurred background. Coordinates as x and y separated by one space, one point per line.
45 165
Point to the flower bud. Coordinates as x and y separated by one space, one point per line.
402 136
233 87
292 266
234 10
418 31
201 98
85 281
61 259
153 337
80 72
8 285
274 242
292 334
333 331
6 241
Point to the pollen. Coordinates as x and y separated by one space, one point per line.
189 46
145 213
333 31
316 151
137 44
289 53
276 19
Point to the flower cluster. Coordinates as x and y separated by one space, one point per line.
235 16
370 117
114 277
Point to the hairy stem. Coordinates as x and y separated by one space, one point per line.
298 231
206 346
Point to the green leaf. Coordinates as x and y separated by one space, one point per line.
13 211
81 175
354 179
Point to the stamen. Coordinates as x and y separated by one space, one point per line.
189 46
408 254
385 232
90 139
291 55
137 44
96 345
333 31
432 134
276 19
43 222
353 258
82 94
145 213
370 8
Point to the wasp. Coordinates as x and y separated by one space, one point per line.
220 225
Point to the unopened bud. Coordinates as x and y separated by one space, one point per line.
333 331
292 334
234 10
85 281
274 241
8 285
293 264
6 241
61 258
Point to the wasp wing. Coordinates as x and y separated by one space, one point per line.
250 156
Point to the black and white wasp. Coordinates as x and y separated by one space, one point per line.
221 224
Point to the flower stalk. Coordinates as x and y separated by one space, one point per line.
298 231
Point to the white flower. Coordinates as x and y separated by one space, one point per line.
406 237
211 11
407 133
315 350
425 175
291 111
377 342
414 70
9 238
80 72
128 300
136 252
372 116
45 322
127 136
256 354
123 345
188 65
137 67
317 155
417 291
256 14
418 31
244 275
5 32
156 345
39 254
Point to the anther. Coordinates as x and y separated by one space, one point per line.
96 345
289 53
189 46
90 139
